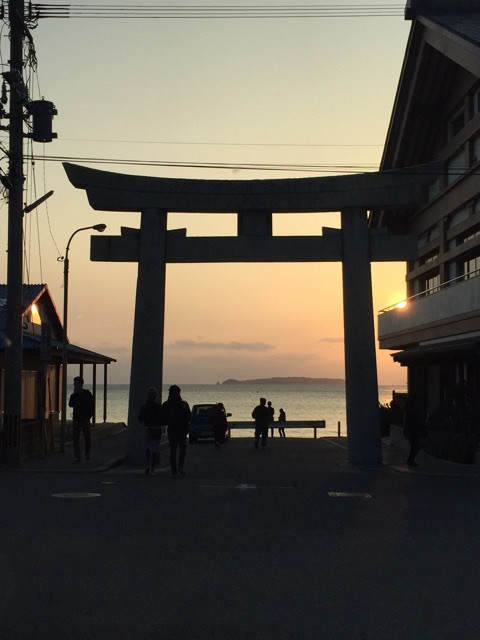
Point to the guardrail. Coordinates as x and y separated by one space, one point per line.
289 424
475 273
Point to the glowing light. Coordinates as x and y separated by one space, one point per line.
35 315
401 305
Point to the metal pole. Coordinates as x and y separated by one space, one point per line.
94 389
338 428
13 342
64 352
105 392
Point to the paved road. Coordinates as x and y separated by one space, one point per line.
248 546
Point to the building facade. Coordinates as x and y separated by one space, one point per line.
436 117
41 370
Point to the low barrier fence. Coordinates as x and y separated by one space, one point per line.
289 424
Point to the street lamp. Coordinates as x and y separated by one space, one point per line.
96 227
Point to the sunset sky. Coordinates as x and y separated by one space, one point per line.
130 89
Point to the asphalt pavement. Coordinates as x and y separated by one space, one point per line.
290 542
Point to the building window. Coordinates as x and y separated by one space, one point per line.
458 216
433 189
457 166
430 284
476 102
474 232
429 257
428 236
451 270
471 268
476 150
456 124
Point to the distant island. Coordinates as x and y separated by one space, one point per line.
295 380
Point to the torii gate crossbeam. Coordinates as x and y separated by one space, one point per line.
254 201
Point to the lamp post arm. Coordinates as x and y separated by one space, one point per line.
71 238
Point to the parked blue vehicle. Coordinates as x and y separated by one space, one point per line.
200 426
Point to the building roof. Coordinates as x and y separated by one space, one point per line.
443 46
31 293
439 351
39 293
75 354
465 25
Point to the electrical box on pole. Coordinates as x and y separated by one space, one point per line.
42 112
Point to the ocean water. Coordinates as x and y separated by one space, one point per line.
300 402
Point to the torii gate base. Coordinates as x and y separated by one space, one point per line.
152 246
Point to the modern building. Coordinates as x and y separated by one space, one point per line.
436 117
41 372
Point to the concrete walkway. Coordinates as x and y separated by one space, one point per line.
108 449
109 444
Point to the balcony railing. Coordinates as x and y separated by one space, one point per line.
428 292
459 296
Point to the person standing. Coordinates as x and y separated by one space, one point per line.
272 413
81 400
176 415
151 417
218 419
261 415
282 418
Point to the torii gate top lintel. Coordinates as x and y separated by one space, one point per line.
110 191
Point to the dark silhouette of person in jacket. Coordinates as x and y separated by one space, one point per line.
261 415
151 417
272 413
218 419
176 415
282 418
81 400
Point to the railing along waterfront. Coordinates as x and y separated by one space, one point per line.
289 424
403 304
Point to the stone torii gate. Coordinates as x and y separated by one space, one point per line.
254 201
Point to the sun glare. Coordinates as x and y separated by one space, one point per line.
401 305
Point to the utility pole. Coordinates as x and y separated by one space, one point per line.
13 334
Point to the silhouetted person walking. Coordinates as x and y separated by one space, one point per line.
151 417
282 417
176 415
218 419
81 400
261 415
414 427
272 413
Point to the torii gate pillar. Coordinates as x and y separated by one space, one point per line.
361 387
147 345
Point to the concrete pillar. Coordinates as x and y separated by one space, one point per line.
147 345
361 387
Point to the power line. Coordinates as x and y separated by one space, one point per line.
326 168
214 11
309 168
221 144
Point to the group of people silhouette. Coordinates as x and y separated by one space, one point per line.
264 416
175 414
